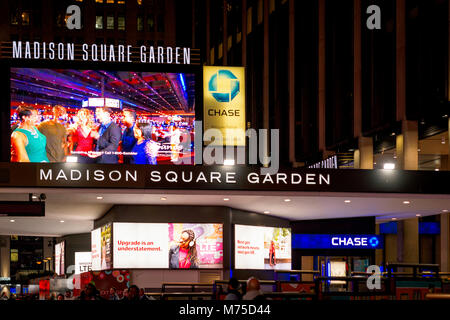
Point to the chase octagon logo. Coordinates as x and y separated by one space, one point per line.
374 241
224 86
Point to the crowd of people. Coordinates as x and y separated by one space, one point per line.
234 292
103 137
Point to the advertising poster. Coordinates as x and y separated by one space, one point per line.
95 249
101 242
105 244
59 258
140 245
195 246
167 245
224 103
262 248
100 116
83 262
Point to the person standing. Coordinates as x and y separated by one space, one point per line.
108 137
82 137
27 143
272 257
145 150
56 135
128 138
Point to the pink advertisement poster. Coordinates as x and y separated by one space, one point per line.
195 246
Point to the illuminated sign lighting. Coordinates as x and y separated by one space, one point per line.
338 241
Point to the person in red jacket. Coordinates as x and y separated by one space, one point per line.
272 257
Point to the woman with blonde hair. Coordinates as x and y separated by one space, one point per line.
82 136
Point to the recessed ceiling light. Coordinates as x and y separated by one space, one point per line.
62 221
12 220
266 212
34 197
445 210
347 201
99 198
163 198
437 169
226 199
287 200
394 218
418 215
406 202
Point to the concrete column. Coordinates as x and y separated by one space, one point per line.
446 165
322 82
307 264
193 44
357 100
225 32
5 256
445 243
411 144
356 159
266 78
291 81
445 162
400 60
365 145
244 33
391 248
208 33
408 241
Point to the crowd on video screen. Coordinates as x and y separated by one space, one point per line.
99 135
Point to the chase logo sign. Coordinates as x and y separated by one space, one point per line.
224 86
224 104
331 241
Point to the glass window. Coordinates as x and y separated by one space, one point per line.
151 23
110 22
120 1
99 22
140 24
121 23
15 17
160 24
25 18
99 1
109 1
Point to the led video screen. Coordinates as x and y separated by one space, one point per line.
262 248
167 245
101 244
100 116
